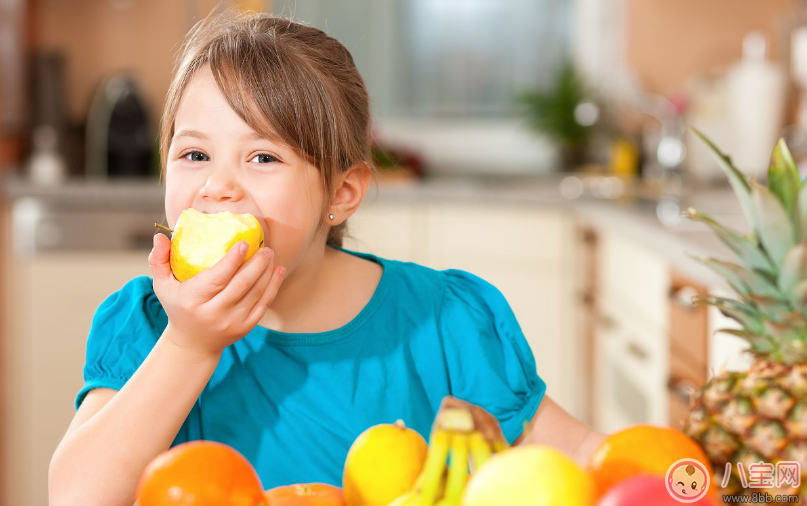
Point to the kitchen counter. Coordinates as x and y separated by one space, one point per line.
634 217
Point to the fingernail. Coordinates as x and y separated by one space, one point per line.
281 271
269 253
243 247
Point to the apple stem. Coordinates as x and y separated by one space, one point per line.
163 227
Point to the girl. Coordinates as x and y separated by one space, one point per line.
270 117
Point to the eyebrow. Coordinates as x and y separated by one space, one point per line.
254 136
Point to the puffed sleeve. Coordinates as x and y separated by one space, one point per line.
489 361
125 328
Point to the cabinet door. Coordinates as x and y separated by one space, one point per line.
527 253
389 230
51 302
632 340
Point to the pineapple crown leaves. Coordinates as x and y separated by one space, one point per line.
771 280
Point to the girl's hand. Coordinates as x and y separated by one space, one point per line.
220 305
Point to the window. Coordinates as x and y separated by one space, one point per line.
445 59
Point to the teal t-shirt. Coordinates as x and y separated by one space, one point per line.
294 403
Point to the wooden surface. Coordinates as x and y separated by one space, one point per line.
689 341
668 41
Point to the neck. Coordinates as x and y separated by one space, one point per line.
300 293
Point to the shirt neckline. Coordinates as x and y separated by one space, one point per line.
329 336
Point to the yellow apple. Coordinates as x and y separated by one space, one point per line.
383 464
200 240
533 475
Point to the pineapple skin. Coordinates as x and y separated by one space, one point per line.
759 415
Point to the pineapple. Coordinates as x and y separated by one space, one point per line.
760 414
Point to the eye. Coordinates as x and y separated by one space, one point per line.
694 485
196 156
263 158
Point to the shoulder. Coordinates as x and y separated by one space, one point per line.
134 304
451 290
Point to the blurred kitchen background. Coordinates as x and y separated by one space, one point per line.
540 144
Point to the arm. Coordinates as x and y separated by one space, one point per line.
554 427
115 435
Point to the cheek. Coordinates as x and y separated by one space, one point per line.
297 202
177 198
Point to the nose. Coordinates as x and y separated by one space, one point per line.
222 185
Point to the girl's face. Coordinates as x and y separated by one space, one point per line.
216 162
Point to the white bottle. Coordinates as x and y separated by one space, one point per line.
756 97
47 168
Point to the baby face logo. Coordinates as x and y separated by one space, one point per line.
687 480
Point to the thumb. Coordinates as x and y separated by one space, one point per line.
159 258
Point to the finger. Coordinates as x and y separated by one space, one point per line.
216 278
247 302
159 259
278 274
245 278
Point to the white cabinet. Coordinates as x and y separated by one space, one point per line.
632 334
526 251
51 299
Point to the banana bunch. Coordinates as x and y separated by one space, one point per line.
457 448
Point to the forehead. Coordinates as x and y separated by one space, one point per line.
203 102
203 106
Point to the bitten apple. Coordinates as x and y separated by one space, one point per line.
200 240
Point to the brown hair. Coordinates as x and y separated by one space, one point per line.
287 81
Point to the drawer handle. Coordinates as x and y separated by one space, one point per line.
683 388
607 322
637 351
683 296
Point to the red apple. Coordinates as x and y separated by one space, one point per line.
645 489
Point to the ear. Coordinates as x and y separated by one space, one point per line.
349 191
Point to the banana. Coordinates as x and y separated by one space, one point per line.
480 450
458 469
455 420
428 483
408 499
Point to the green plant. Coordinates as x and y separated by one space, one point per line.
552 112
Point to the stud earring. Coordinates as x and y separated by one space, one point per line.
330 216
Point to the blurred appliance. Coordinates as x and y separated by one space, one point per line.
120 142
756 93
12 65
47 165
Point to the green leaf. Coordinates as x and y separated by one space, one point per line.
762 342
743 281
746 248
737 179
783 176
744 314
772 223
802 211
769 307
794 268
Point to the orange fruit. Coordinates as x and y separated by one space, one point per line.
200 473
641 449
305 494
